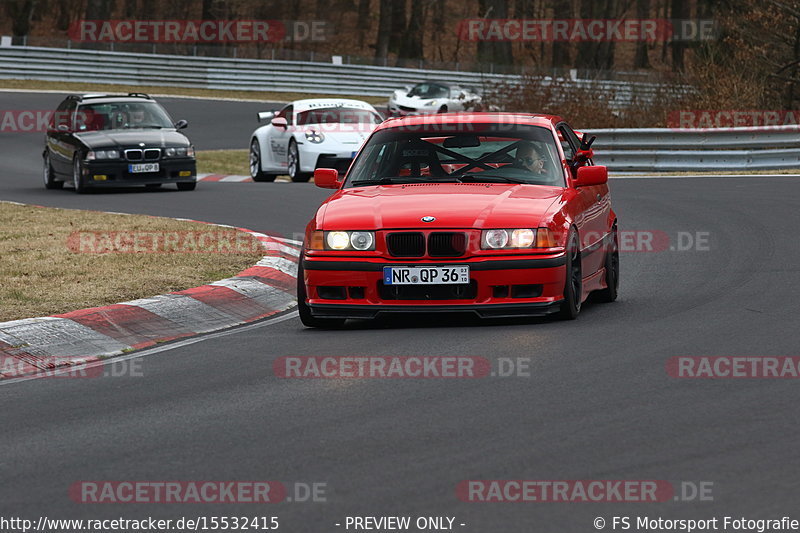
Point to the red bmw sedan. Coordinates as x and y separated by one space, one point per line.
490 213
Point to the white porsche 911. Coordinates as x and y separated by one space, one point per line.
310 134
433 97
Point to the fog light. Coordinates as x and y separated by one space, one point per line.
185 173
100 177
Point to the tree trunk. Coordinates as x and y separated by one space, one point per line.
679 10
641 59
397 25
362 24
561 50
412 47
384 29
21 13
494 52
99 9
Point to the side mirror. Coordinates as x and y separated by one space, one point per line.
181 124
280 122
588 176
326 178
265 116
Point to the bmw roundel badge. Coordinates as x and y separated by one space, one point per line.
428 219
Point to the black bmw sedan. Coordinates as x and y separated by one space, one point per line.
98 140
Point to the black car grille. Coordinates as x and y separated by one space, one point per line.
447 244
407 109
440 244
150 154
406 244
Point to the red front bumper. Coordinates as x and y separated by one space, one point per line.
519 285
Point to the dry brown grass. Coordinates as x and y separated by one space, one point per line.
223 162
41 275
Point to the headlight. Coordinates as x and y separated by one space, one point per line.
362 240
178 151
496 239
102 154
190 151
346 240
522 238
315 137
338 240
432 103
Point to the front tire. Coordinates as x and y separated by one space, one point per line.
255 163
293 164
573 281
609 294
443 109
304 311
77 176
49 175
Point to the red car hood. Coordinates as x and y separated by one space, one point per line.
455 205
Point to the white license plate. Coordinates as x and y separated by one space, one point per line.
143 167
444 275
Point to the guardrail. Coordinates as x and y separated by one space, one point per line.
99 66
698 150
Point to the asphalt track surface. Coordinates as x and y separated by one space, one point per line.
598 403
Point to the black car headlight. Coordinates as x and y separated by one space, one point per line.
94 155
179 151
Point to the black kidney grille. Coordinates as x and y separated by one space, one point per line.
407 244
447 244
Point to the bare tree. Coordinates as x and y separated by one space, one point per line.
362 23
412 44
494 52
641 59
384 29
21 14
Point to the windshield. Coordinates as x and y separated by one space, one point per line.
499 153
337 115
429 90
120 116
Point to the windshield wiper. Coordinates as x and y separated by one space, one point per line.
478 178
405 180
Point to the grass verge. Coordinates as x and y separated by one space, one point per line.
257 96
231 162
41 274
